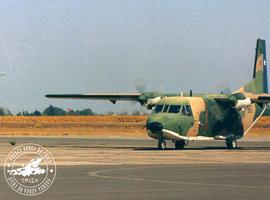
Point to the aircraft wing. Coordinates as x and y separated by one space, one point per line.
113 97
253 98
265 98
259 98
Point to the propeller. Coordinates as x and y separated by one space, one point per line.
3 75
140 84
222 86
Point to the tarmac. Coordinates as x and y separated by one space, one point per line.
126 168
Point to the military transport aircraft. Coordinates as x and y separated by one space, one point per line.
185 117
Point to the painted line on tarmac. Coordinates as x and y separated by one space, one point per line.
98 174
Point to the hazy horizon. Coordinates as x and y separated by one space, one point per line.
110 46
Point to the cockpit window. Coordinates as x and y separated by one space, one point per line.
174 109
186 111
183 110
158 108
166 108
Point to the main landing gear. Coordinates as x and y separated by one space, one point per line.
231 143
180 144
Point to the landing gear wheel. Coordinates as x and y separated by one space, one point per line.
180 144
231 143
161 145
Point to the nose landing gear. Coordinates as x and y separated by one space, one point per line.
161 144
179 144
231 143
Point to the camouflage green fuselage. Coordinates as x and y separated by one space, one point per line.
209 117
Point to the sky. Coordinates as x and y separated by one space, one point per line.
69 46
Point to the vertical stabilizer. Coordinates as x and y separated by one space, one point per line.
259 83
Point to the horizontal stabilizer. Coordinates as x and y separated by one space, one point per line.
264 98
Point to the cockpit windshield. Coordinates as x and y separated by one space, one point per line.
158 108
183 110
174 109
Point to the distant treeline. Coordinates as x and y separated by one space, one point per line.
56 111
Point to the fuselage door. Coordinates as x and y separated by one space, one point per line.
197 106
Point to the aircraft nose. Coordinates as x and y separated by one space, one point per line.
154 126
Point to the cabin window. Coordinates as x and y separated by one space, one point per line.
174 109
158 108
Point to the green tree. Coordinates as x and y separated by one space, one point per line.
19 114
5 112
25 113
73 112
37 113
53 111
86 112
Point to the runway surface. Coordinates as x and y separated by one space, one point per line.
120 168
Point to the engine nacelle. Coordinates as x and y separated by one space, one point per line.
152 102
240 104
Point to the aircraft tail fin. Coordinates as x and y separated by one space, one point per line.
259 83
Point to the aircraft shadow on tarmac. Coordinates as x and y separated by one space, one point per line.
70 147
193 148
204 148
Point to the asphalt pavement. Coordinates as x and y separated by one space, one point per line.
119 168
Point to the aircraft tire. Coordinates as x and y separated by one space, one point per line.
231 143
161 145
179 144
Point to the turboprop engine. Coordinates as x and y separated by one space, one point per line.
152 102
240 101
240 104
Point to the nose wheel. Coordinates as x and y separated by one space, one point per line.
231 143
161 145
